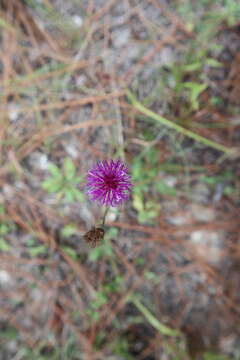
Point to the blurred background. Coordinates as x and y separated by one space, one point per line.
155 83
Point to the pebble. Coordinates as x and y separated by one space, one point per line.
120 37
178 220
13 112
208 245
38 160
202 213
200 193
5 278
71 149
77 20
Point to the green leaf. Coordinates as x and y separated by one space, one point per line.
77 179
228 190
165 189
149 275
37 250
212 356
4 245
95 253
138 202
111 233
70 251
100 300
213 63
31 241
68 230
2 210
69 194
54 170
52 185
145 216
140 261
9 334
113 286
192 67
216 100
211 180
69 168
195 90
78 195
4 229
137 170
108 250
93 314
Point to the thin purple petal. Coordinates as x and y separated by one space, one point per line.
109 183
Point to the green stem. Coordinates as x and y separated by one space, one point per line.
104 216
163 329
180 129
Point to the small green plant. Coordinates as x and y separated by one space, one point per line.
213 356
101 299
194 90
230 11
120 347
225 179
151 276
94 306
145 172
70 252
34 248
152 116
6 227
64 182
113 285
187 79
163 329
68 230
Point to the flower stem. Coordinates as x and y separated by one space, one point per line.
104 216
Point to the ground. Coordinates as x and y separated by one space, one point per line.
155 83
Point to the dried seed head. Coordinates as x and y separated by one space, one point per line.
94 236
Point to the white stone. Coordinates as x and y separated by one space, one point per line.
13 112
81 80
121 37
8 191
200 193
170 180
166 56
202 213
5 278
227 343
178 220
39 160
208 245
77 20
72 150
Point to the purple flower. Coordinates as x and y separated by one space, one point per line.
108 183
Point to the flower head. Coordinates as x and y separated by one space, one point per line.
108 182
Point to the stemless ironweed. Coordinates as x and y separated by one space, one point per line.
109 184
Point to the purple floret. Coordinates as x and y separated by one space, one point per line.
109 183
